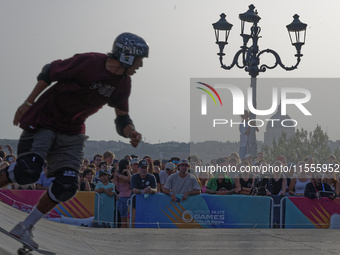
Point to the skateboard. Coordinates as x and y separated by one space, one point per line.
26 248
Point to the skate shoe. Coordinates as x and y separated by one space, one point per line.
24 233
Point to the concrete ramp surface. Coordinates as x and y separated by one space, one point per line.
71 240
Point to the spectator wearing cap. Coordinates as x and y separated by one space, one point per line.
105 187
151 170
175 160
134 165
143 182
182 182
164 175
103 165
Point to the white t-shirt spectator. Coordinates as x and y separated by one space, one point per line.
180 185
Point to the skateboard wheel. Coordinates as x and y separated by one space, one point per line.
23 251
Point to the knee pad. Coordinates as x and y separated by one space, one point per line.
64 186
26 169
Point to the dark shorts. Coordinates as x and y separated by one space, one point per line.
58 149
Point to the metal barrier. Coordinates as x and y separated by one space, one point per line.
202 211
282 207
104 211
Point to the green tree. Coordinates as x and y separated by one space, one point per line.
300 145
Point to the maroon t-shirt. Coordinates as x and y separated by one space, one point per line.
83 86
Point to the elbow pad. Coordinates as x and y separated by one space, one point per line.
121 122
45 74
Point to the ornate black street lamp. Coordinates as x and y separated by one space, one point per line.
249 56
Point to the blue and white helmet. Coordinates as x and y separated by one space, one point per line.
127 47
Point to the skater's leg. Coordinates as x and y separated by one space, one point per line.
32 151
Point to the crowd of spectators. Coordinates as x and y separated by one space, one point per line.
120 178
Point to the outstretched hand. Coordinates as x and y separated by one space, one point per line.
135 138
19 113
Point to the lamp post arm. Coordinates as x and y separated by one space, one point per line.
235 61
278 61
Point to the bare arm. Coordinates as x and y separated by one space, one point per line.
39 87
191 193
170 193
108 192
124 178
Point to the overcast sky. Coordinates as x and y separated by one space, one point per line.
182 46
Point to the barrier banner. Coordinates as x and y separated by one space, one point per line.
302 212
203 211
80 206
104 210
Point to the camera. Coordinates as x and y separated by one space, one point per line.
260 187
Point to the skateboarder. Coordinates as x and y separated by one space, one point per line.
53 124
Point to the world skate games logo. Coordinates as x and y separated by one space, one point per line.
262 102
204 217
